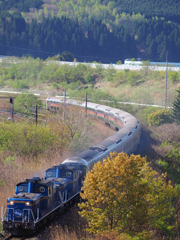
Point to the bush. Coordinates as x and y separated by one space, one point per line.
144 113
174 77
54 85
89 78
25 138
159 117
19 84
118 78
133 77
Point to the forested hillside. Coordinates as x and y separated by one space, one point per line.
105 31
21 5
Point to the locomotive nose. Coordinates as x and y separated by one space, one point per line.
18 214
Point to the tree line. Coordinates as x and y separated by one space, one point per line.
21 5
108 11
149 40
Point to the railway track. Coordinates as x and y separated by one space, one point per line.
5 113
11 237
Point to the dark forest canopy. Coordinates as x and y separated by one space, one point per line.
169 9
125 36
21 5
58 35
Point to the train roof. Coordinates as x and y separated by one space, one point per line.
59 180
31 196
89 153
75 160
62 166
45 182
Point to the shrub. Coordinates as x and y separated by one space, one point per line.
144 113
174 77
25 138
159 117
133 77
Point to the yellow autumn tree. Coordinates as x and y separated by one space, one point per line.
124 194
116 195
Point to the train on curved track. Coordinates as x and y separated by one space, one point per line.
36 200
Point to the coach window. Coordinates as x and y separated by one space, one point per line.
51 106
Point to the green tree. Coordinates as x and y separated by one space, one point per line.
88 78
25 102
174 77
144 113
176 108
66 56
133 77
119 62
25 139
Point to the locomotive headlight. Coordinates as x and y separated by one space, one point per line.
11 202
27 203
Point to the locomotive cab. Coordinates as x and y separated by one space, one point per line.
68 178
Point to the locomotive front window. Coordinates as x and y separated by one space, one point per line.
66 174
42 189
51 174
39 189
22 188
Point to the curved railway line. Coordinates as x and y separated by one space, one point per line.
20 217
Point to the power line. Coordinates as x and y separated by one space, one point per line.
26 49
53 53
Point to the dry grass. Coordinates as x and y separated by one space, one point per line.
151 91
22 168
4 103
76 230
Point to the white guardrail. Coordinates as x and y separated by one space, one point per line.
105 66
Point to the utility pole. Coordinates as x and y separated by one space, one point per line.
12 109
64 104
36 115
166 79
86 104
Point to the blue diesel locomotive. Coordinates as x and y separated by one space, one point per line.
37 200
